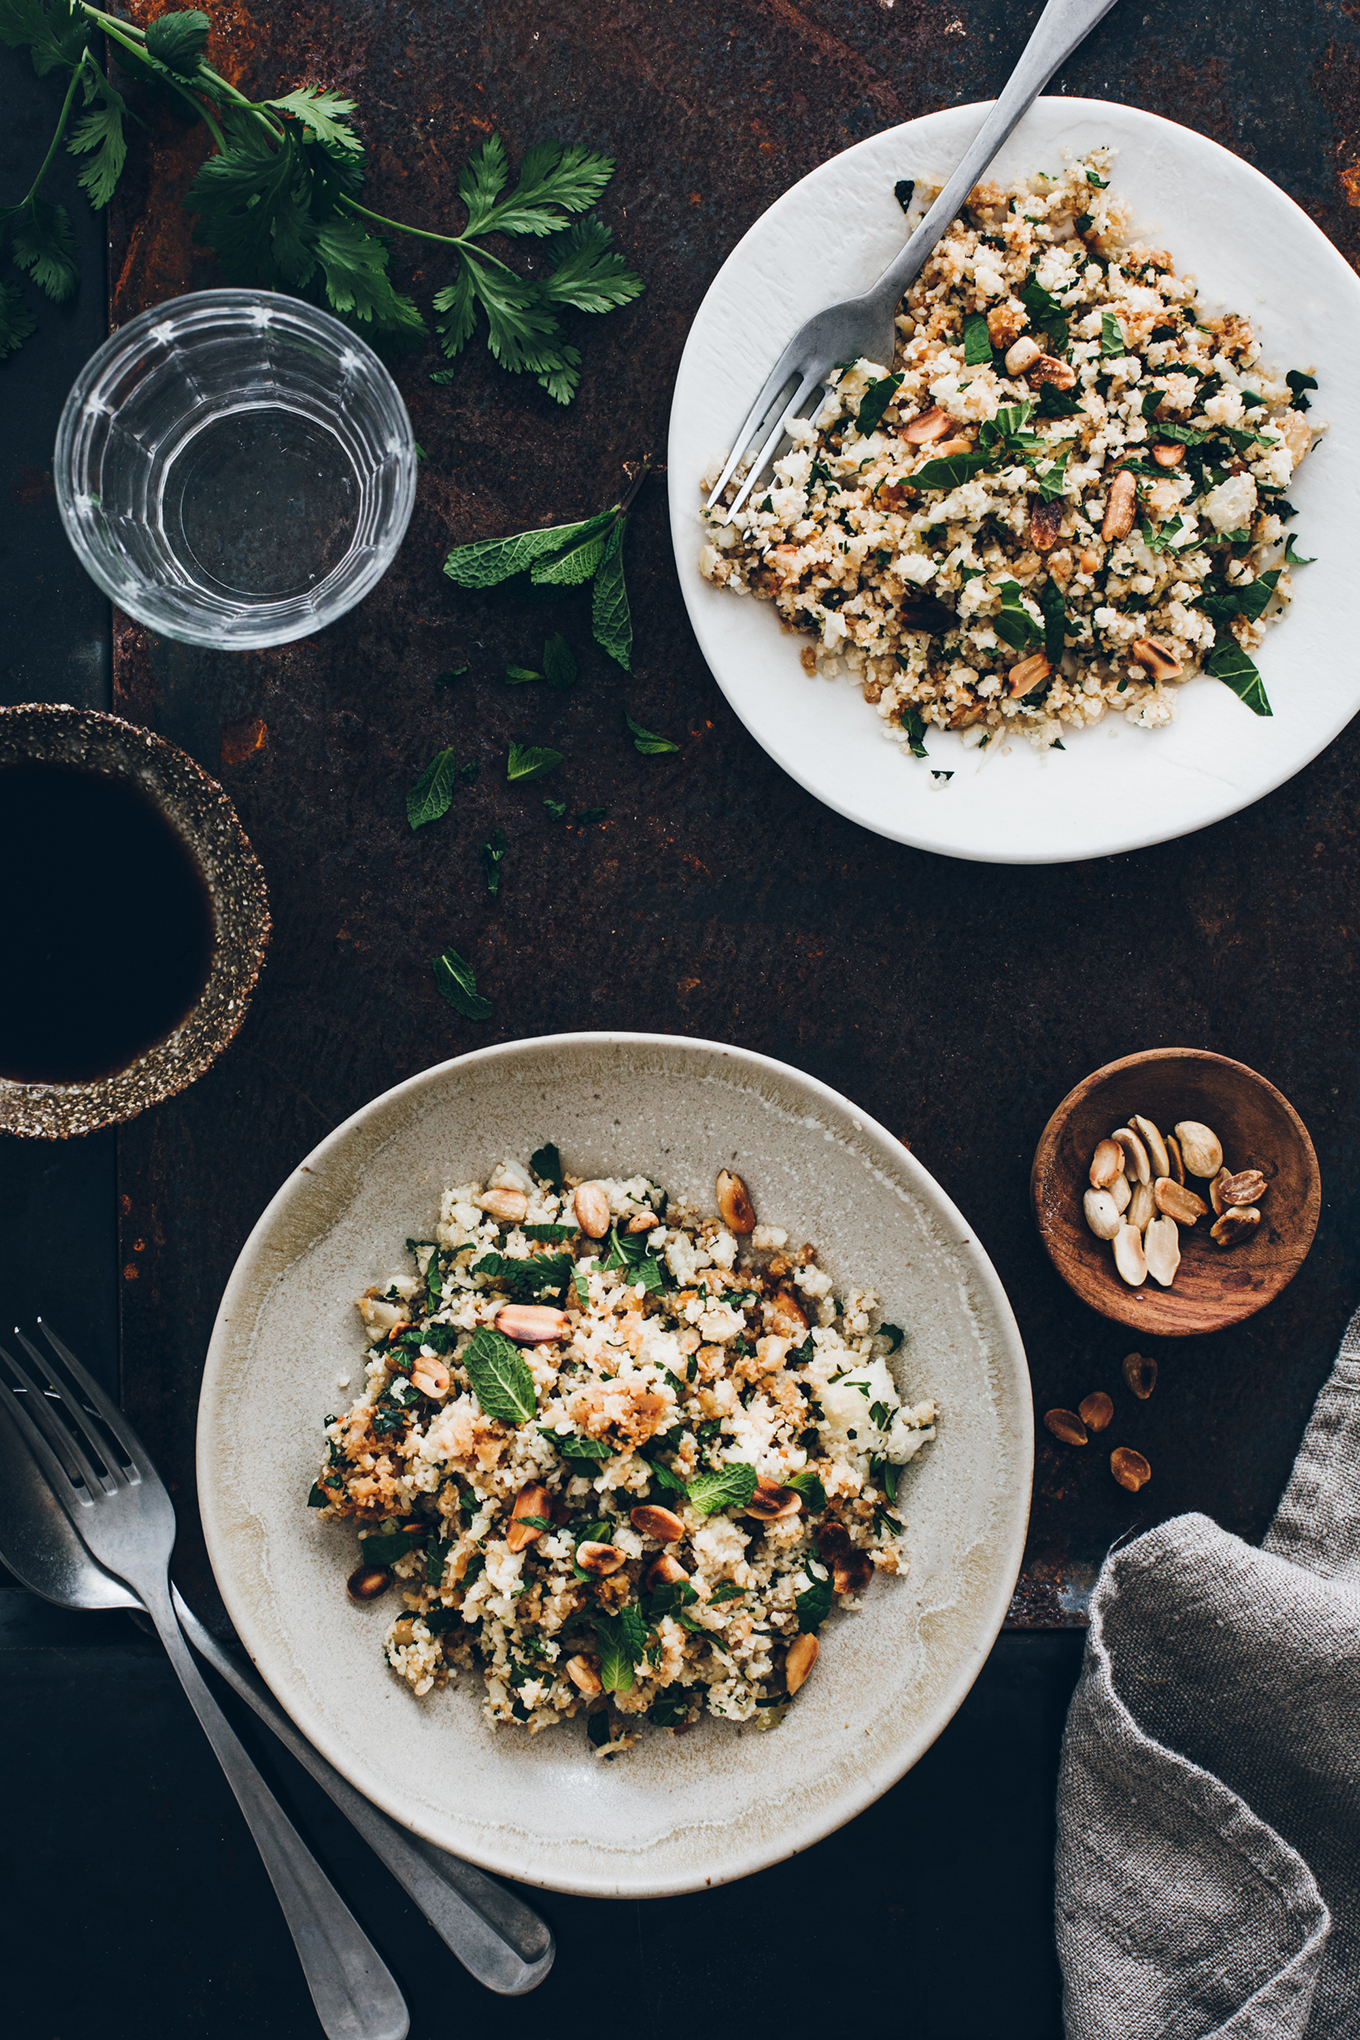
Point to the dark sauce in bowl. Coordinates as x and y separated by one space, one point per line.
106 924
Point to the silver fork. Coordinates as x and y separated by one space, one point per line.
103 1478
863 326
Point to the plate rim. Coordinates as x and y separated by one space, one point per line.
681 510
1013 1507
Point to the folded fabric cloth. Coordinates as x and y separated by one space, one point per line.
1208 1859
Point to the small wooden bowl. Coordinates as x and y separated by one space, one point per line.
1259 1129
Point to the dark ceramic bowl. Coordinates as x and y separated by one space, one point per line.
205 820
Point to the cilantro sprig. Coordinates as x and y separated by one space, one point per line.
279 202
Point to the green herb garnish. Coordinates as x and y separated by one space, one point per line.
1230 664
647 741
493 850
728 1487
815 1604
546 1163
500 1377
1112 341
874 403
977 341
621 1640
457 984
531 761
432 793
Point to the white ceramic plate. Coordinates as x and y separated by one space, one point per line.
1114 788
675 1814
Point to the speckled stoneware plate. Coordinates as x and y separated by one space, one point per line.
674 1814
1113 788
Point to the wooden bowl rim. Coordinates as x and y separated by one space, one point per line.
1280 1277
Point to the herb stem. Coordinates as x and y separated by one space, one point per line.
458 241
65 115
130 38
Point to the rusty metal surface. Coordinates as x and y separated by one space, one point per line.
955 1002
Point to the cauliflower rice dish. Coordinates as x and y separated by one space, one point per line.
1064 497
623 1456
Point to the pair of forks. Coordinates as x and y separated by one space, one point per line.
101 1475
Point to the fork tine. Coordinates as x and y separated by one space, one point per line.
96 1439
788 366
36 1426
812 380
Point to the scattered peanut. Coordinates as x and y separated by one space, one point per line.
1175 1201
1156 659
1247 1188
1095 1410
1027 673
1162 1250
1106 1163
642 1221
1129 1468
1102 1214
666 1571
770 1501
592 1210
931 424
1168 453
734 1206
1129 1258
509 1206
600 1559
852 1572
798 1662
788 1319
1174 1156
584 1673
431 1377
1119 506
1153 1142
663 1524
1021 353
1140 1374
1136 1163
1065 1424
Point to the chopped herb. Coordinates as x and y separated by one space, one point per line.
1230 664
1296 559
470 770
493 850
557 810
1298 383
546 1163
548 1232
622 1640
528 761
1100 183
388 1550
1051 481
517 676
902 191
913 722
1046 313
728 1487
456 982
1241 598
432 793
1083 223
1056 403
528 1279
977 341
874 403
1055 621
894 1333
646 741
1112 341
946 776
318 1498
815 1604
726 1590
500 1377
1015 626
436 1551
590 814
810 1488
950 473
574 1447
447 678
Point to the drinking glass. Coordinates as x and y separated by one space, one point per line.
235 468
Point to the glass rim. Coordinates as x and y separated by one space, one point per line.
183 313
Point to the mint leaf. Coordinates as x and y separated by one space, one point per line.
579 560
318 1498
557 810
387 1550
621 1640
529 761
432 793
1296 559
893 1332
178 40
18 320
815 1605
517 676
875 402
666 1478
1051 483
1046 313
977 341
1298 383
493 850
1111 335
1230 664
491 560
457 983
546 1163
647 742
730 1487
559 662
914 723
1241 598
950 473
810 1488
609 616
500 1377
574 1446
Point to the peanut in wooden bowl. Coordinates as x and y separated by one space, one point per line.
1258 1129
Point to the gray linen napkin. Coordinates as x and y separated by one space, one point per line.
1208 1860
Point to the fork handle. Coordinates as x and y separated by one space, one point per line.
355 1994
1060 28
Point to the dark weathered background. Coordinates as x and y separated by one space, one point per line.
955 1002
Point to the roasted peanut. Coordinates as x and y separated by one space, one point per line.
1200 1146
1106 1163
1049 369
734 1205
1119 506
592 1210
1102 1214
1153 1142
1156 658
532 1500
1021 353
1168 453
1177 1161
798 1661
852 1572
642 1221
788 1319
1140 1375
1129 1257
1249 1187
1142 1209
665 1571
1045 529
584 1673
1235 1224
531 1324
1027 673
931 424
600 1559
1176 1201
1162 1250
1136 1163
656 1522
1067 1425
367 1582
509 1206
431 1377
771 1501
